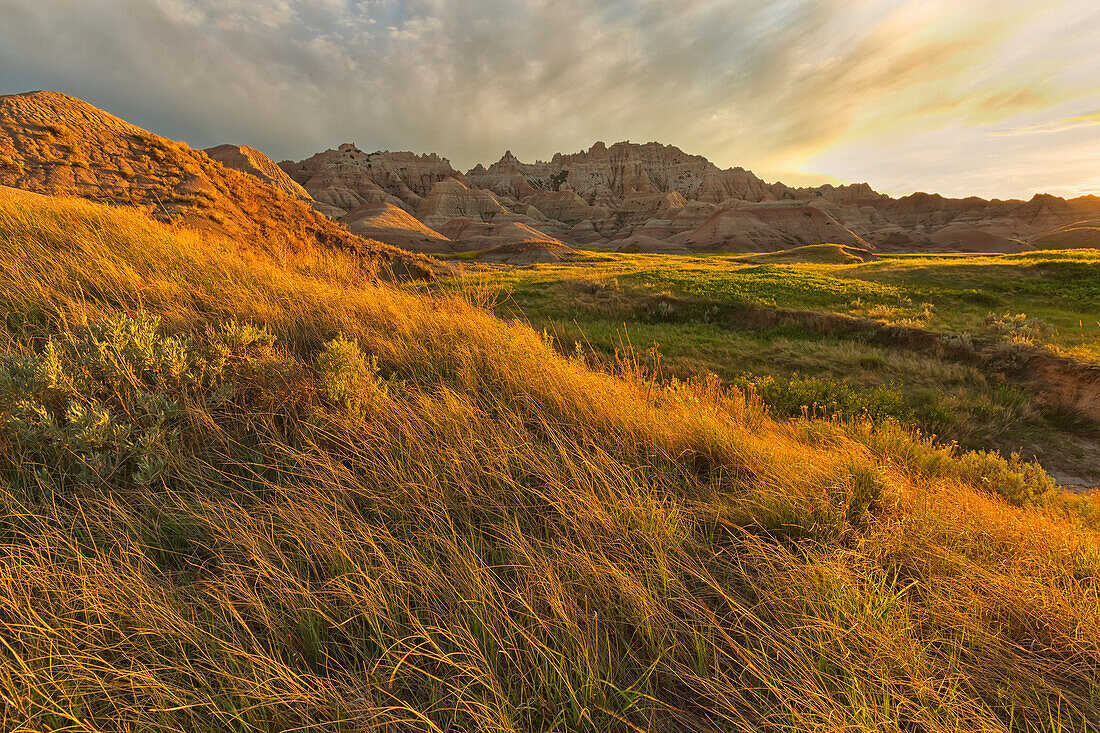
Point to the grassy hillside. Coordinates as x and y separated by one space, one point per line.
993 352
52 143
255 491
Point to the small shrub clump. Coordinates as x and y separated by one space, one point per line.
58 131
1019 482
108 400
1018 327
9 163
348 377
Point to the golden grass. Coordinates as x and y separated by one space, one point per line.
497 537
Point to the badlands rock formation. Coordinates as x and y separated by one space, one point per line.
525 253
511 243
451 199
929 221
564 207
479 234
1083 234
656 198
605 176
767 227
620 176
347 177
52 143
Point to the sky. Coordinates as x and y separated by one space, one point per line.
997 99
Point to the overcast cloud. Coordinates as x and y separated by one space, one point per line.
990 98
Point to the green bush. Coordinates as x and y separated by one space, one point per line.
348 377
1019 482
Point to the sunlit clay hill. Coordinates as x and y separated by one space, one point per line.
56 144
393 225
252 161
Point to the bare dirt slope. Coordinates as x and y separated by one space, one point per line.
393 225
252 161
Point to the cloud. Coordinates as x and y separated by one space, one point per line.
782 85
1091 119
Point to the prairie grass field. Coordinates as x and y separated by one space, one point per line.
254 490
979 318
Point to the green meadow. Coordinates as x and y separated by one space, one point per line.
765 322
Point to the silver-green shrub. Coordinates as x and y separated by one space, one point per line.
105 401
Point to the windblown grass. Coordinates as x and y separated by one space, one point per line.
705 315
376 509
